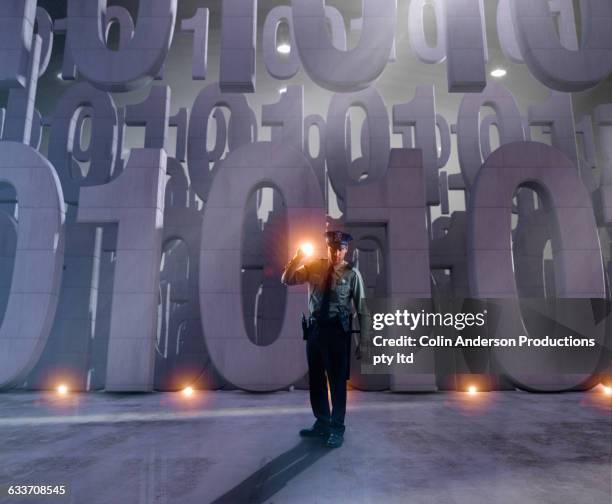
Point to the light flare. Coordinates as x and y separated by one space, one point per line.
283 48
307 248
498 73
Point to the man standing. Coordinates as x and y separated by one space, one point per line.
333 283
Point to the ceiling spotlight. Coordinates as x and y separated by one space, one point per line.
472 390
498 73
188 391
62 389
283 48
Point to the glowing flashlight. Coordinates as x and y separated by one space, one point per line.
307 248
62 389
472 390
188 391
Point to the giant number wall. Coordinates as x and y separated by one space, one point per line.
149 267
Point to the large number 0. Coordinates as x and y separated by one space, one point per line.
578 263
240 361
38 260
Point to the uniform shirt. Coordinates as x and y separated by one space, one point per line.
346 286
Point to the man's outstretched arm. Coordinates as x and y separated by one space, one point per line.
295 273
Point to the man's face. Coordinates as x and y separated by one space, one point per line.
336 255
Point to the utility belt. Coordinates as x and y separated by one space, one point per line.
313 323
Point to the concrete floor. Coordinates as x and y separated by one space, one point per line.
234 447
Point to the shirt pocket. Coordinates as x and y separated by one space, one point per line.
342 288
316 279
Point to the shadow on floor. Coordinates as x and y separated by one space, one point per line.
264 483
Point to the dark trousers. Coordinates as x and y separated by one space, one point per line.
328 352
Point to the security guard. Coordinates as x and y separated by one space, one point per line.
333 283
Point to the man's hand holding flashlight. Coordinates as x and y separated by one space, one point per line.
295 273
304 251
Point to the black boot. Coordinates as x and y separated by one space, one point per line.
334 440
319 429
